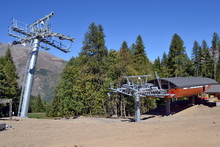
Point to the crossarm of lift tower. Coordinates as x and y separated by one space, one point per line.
41 30
38 34
138 85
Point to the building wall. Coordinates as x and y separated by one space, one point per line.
188 91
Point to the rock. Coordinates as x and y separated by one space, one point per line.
2 126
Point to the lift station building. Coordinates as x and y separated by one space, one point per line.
168 88
185 86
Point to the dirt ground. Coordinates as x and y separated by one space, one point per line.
197 126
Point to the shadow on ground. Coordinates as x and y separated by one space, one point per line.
176 107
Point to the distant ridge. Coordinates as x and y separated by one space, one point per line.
49 69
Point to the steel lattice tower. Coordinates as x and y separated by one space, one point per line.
39 35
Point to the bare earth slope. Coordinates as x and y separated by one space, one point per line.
198 126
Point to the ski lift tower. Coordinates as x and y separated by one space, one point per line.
39 35
137 87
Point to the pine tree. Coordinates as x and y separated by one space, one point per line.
125 52
125 60
113 75
140 59
142 66
157 67
177 57
189 71
208 70
200 61
194 57
84 84
164 65
94 74
36 104
67 101
218 69
8 80
94 43
3 82
125 66
215 40
215 51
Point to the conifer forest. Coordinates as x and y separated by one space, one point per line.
86 79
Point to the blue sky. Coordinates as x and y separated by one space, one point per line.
123 20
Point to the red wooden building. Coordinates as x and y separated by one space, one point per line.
184 86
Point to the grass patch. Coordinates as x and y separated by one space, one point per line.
37 115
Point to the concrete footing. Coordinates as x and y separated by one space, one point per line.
192 100
168 112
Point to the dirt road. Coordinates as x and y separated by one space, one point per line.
198 126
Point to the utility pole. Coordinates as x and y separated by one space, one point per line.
37 33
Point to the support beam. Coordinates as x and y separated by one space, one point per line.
168 107
137 108
10 110
30 78
192 100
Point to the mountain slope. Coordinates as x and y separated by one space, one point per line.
47 73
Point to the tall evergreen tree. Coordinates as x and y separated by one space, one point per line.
140 59
120 64
4 84
84 85
132 48
125 60
164 65
157 67
94 72
215 51
8 80
206 57
208 64
200 60
114 77
177 57
142 66
36 104
215 40
94 43
126 68
67 101
218 69
194 57
189 71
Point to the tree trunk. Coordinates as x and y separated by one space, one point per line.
103 105
121 107
116 109
124 112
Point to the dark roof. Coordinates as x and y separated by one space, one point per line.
181 82
214 89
